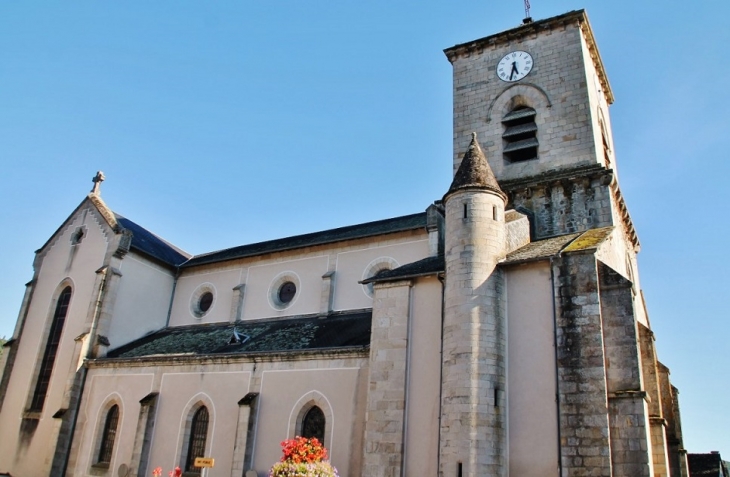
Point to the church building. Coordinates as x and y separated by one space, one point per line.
500 332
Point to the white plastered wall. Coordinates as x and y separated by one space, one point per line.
143 300
281 397
424 379
531 371
221 280
124 389
75 265
259 275
261 283
353 264
180 390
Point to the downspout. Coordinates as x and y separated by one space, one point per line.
441 279
84 369
557 378
406 406
97 311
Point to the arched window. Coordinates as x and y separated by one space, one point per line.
49 356
520 134
606 146
313 424
108 435
198 436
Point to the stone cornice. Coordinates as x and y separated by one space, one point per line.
592 171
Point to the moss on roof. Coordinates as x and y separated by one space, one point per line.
337 330
589 240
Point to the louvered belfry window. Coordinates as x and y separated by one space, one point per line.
313 424
49 355
198 435
520 134
109 434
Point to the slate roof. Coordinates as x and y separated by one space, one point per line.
588 240
148 243
420 268
704 465
336 331
474 171
541 249
369 229
537 250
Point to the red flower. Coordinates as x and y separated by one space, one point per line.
303 450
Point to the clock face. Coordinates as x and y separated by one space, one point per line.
514 66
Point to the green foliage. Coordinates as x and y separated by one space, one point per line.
302 469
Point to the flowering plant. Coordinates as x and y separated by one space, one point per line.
303 457
177 472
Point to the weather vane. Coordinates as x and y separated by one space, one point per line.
527 19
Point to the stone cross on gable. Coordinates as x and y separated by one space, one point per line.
97 180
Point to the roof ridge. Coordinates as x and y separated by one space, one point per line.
298 241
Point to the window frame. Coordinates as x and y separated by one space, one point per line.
196 440
50 350
320 432
108 436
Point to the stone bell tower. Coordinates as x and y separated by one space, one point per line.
537 95
473 415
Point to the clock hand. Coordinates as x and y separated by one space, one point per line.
514 70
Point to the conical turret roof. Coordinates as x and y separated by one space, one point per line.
474 172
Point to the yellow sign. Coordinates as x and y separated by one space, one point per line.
204 462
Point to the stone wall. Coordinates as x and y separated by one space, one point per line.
385 417
582 393
660 456
627 404
556 88
473 403
560 204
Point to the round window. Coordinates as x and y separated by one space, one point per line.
206 299
286 292
202 300
376 268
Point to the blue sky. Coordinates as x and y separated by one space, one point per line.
223 123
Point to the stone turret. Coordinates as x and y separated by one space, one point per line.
473 406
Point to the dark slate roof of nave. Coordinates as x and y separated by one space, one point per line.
369 229
704 465
336 331
148 243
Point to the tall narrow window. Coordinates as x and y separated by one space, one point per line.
49 355
606 148
198 435
313 424
520 134
108 435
